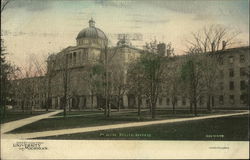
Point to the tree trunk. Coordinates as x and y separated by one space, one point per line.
191 107
153 109
31 109
3 97
195 108
64 106
71 104
208 103
173 103
109 109
139 108
49 95
118 104
92 99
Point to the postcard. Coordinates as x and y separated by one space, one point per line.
125 79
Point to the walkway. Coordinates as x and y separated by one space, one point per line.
115 126
6 127
93 114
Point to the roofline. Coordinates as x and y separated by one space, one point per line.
230 49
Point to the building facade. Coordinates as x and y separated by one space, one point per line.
73 74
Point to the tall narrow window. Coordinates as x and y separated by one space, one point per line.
221 86
231 99
221 74
167 101
74 57
183 101
242 58
231 59
70 58
242 71
231 72
220 60
221 99
160 101
231 85
243 99
242 85
201 101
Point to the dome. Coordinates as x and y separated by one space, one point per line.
91 32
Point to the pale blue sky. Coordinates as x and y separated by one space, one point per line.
45 26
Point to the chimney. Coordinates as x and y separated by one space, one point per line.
213 46
161 47
224 44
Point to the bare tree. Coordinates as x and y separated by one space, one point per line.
4 4
118 83
213 38
64 68
207 41
93 77
172 79
29 84
108 55
151 62
135 83
192 75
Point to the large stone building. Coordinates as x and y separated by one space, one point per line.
68 74
75 63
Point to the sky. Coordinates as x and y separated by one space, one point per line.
41 27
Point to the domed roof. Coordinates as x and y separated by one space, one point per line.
91 32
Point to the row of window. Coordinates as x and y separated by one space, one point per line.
87 41
243 99
73 57
232 85
231 72
231 59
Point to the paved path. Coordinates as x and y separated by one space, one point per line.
92 114
106 127
6 127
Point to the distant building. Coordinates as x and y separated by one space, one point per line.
69 69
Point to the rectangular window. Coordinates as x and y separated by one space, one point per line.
74 57
220 60
221 74
242 58
201 101
167 101
160 101
243 99
231 99
70 58
221 99
231 59
242 85
231 72
184 101
231 85
221 86
242 71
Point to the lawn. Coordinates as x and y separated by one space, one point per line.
97 119
71 113
234 128
14 115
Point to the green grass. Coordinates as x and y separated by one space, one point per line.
79 113
14 115
88 120
234 128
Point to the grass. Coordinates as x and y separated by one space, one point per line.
87 120
234 128
14 115
80 113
